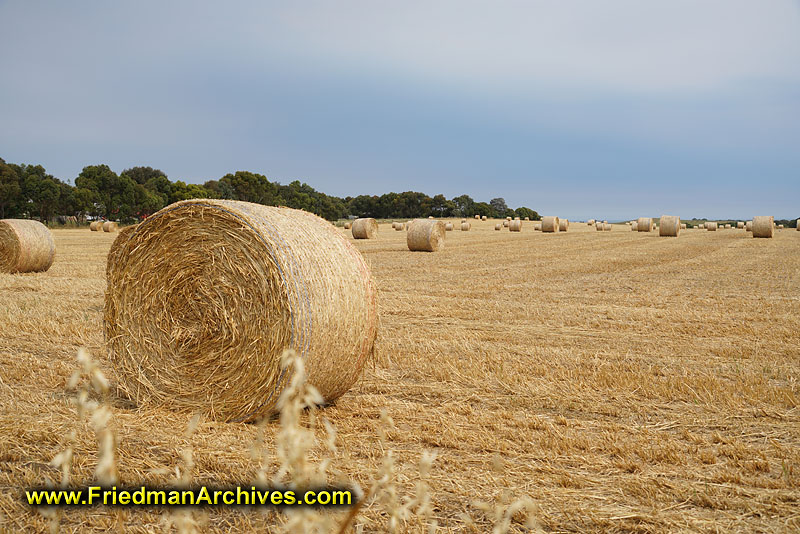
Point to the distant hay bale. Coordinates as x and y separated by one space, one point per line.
600 227
644 224
508 218
780 227
498 226
550 224
26 246
505 224
463 220
670 226
527 218
430 216
740 225
109 226
399 226
425 235
634 226
563 225
607 227
515 226
222 289
447 227
484 218
797 225
590 222
727 226
347 225
711 226
683 226
465 226
477 217
537 227
394 225
96 226
763 226
366 228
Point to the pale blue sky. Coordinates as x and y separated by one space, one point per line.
583 109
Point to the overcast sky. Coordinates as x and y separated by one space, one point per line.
611 109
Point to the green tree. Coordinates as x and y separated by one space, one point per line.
10 190
527 212
498 206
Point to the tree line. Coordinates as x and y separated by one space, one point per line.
29 191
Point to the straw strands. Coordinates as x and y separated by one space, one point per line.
550 224
763 226
425 235
365 228
25 246
223 287
670 226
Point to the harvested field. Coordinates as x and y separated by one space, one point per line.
657 399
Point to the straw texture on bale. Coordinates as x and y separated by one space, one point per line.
711 226
763 226
550 224
26 246
515 226
96 226
348 225
222 288
740 225
448 227
498 226
366 228
563 225
465 226
670 226
113 260
644 224
425 235
109 226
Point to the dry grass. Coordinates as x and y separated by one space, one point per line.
658 399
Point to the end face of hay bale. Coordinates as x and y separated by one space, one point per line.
563 225
448 227
425 235
26 246
365 228
223 287
763 226
498 226
670 226
644 224
550 224
515 226
465 226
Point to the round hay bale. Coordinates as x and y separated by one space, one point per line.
537 227
465 226
366 228
590 222
430 216
348 225
484 218
550 224
740 225
394 225
96 226
683 226
634 226
425 235
110 226
478 217
763 226
644 224
600 227
797 225
563 225
780 227
670 226
508 218
505 224
399 226
113 254
711 226
607 227
447 227
463 220
515 226
498 226
222 289
26 246
727 226
527 218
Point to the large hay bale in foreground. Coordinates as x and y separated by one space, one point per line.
550 224
465 226
365 228
96 226
425 235
26 246
670 226
644 224
763 226
515 226
222 288
110 226
711 226
113 260
563 225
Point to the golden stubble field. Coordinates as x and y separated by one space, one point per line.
622 381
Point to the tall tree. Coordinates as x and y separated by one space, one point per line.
10 190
